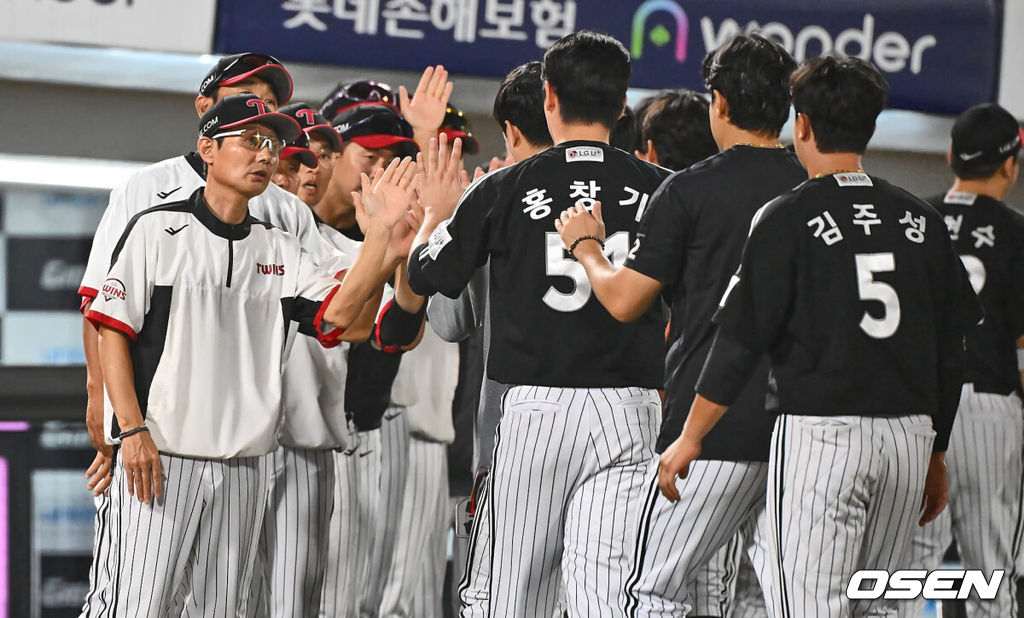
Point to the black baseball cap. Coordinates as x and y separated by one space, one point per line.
313 123
242 109
376 126
456 125
239 67
358 92
986 134
298 148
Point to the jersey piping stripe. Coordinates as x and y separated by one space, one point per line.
172 207
640 552
779 454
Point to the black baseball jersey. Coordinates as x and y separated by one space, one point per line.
548 330
690 240
989 236
853 287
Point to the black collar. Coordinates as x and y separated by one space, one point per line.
197 164
231 231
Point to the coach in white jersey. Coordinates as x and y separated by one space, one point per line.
193 318
167 181
576 430
853 289
985 450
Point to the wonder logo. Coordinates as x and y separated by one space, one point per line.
660 35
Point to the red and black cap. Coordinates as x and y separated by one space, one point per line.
986 134
313 123
376 126
298 149
230 70
242 109
359 92
455 125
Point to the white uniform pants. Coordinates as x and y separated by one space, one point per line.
844 494
569 469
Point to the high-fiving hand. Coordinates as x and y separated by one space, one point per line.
441 178
386 197
425 111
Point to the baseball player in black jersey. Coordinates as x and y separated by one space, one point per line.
576 431
852 287
985 448
689 245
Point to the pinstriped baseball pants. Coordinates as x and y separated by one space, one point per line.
199 540
673 573
292 553
984 512
568 472
844 494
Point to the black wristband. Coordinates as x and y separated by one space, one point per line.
572 247
131 432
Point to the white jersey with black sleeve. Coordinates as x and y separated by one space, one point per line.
208 306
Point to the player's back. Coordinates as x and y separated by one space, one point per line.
876 282
548 329
989 237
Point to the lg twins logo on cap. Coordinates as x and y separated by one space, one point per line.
307 115
584 153
258 104
113 288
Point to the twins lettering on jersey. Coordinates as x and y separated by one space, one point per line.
114 288
270 269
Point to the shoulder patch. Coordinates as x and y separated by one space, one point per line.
853 179
584 153
438 239
960 197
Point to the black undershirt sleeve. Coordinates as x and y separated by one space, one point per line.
726 371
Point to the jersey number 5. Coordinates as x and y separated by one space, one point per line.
867 265
556 264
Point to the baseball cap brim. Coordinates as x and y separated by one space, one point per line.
327 132
285 126
305 156
274 74
470 145
405 145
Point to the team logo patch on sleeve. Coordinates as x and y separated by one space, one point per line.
584 153
438 240
113 288
853 179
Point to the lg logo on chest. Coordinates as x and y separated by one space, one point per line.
270 269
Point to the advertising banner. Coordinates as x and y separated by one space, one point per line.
939 55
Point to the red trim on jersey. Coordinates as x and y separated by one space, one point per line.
98 318
88 295
340 275
387 349
333 338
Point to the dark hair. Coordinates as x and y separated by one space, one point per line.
973 170
841 97
520 101
677 123
752 73
590 73
624 134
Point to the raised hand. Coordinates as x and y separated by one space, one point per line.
425 112
441 178
577 222
387 195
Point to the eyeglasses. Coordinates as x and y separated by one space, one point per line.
254 140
